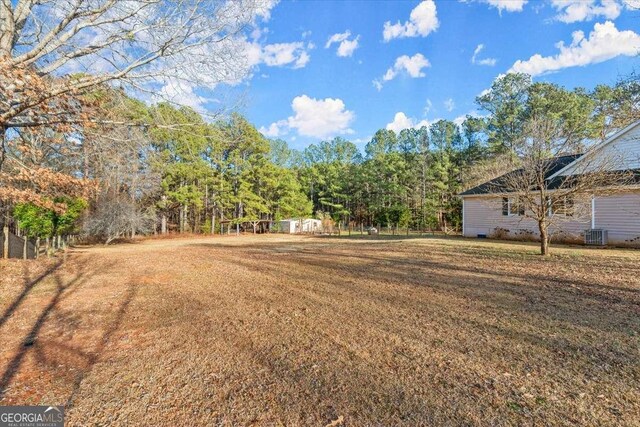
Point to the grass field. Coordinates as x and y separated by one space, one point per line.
286 330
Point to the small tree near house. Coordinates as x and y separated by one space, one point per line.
551 203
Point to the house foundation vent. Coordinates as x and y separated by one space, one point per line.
596 237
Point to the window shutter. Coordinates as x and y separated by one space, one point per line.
505 206
549 204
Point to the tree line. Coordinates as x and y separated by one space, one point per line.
412 178
80 154
137 168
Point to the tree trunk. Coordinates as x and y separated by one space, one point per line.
181 219
3 148
213 222
544 239
24 248
5 234
163 224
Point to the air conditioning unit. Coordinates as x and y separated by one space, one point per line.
596 237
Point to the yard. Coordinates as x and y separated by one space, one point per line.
288 330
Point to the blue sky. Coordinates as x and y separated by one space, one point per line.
302 91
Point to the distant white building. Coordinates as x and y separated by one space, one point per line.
300 225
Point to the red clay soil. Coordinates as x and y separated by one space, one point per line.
279 330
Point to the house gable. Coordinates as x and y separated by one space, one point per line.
621 151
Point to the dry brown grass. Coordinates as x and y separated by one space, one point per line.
275 330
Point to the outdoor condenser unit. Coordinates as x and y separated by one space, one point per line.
597 237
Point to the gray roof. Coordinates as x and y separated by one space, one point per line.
491 187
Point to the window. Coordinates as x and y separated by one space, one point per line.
512 206
562 205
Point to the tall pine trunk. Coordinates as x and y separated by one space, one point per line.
5 236
3 148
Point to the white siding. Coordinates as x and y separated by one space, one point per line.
621 153
620 215
293 225
288 226
483 215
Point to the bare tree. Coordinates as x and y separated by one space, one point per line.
158 46
531 193
115 218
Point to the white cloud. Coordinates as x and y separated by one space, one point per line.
319 118
337 38
507 5
422 21
401 121
490 62
180 92
485 61
449 104
413 66
585 10
293 54
263 8
604 42
362 140
473 113
459 120
428 106
279 54
346 47
275 129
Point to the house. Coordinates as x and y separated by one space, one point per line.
489 213
300 225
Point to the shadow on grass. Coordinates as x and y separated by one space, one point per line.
538 297
93 357
44 350
28 286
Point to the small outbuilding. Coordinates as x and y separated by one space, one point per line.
300 225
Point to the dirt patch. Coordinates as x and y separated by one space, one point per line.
286 330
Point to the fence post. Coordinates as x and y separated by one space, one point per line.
37 247
24 247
